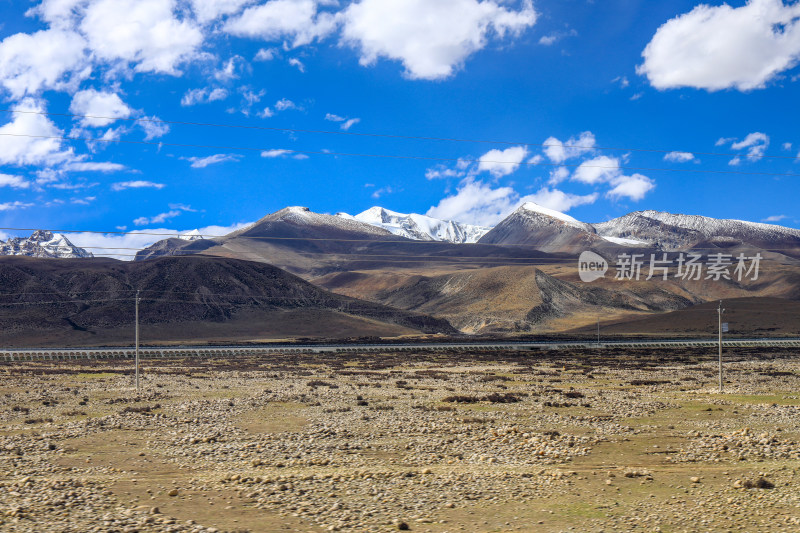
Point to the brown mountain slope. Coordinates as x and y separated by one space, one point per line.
547 298
747 317
183 298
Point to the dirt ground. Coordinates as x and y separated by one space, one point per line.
595 440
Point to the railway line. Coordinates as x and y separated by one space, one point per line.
150 352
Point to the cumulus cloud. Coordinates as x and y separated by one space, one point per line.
137 184
559 200
145 33
679 157
14 182
754 147
10 206
429 40
153 127
297 64
632 187
102 108
157 219
296 20
203 96
208 10
755 144
558 151
202 162
15 149
775 218
476 202
597 170
721 47
48 59
278 152
285 104
501 163
265 54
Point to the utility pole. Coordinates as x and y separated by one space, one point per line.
598 332
720 310
137 342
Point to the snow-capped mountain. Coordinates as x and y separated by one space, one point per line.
43 244
673 232
544 229
419 227
552 231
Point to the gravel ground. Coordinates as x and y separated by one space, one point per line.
584 441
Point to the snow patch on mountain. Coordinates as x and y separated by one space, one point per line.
43 243
419 227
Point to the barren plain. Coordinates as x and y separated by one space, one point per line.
595 440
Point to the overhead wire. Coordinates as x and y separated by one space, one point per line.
380 135
406 157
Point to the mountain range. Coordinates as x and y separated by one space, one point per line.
43 243
519 277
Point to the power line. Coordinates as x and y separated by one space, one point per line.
382 135
405 157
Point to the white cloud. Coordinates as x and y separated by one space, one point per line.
203 96
157 219
775 218
153 127
347 124
787 146
501 163
276 152
557 175
679 157
49 59
284 104
597 170
559 200
720 47
633 187
558 151
756 144
10 206
298 64
382 191
296 20
15 182
202 162
18 150
209 10
431 39
137 184
476 202
536 159
232 69
552 38
265 54
93 166
119 245
102 107
143 32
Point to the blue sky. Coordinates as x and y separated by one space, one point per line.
673 106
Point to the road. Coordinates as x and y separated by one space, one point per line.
228 351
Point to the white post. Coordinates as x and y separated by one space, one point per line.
598 332
137 342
